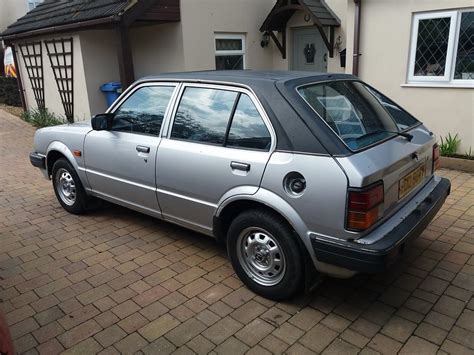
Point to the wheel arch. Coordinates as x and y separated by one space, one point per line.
57 150
271 202
263 199
223 220
51 158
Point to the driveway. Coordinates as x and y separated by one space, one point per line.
115 281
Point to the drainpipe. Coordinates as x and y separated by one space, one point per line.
356 54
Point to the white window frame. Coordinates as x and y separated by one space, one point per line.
221 53
34 3
453 40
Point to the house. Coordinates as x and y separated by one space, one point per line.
420 53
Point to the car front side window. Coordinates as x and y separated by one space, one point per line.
143 111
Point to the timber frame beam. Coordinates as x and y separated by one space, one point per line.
124 48
125 58
281 46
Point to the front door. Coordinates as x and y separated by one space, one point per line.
121 163
217 147
309 51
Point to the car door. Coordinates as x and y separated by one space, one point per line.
120 163
217 145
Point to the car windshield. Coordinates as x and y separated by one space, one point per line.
359 115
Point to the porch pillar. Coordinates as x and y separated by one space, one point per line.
125 58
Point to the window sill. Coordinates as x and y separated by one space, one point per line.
438 85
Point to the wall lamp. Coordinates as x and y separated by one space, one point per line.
265 39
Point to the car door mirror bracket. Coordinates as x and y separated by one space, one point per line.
102 122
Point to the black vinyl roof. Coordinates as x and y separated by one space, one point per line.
251 78
61 12
294 121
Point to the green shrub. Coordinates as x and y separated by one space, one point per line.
42 118
449 145
469 155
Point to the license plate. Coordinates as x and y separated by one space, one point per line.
409 181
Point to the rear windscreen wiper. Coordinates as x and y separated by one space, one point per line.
408 136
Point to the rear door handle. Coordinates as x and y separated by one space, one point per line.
143 149
235 165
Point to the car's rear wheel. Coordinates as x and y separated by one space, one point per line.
265 254
68 187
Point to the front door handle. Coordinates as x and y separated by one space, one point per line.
143 149
235 165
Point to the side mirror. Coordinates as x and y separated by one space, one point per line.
102 122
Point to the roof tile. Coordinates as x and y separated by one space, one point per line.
61 12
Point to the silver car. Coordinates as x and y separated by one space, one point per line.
299 174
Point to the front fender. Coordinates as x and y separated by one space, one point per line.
64 150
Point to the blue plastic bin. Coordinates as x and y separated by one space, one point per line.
112 91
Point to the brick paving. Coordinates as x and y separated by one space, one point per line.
115 281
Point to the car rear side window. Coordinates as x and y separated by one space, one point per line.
357 114
247 129
203 115
143 111
402 118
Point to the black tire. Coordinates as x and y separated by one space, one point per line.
78 204
243 232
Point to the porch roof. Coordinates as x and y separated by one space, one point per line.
54 15
321 14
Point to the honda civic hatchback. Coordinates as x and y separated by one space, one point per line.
299 174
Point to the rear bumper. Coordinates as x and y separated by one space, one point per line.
377 256
38 160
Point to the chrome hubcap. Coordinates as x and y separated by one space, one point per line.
261 256
66 187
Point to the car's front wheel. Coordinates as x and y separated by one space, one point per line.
265 254
68 187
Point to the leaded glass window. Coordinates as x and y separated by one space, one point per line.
442 48
464 68
432 46
230 51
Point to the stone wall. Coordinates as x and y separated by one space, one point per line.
9 93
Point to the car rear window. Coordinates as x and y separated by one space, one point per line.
358 114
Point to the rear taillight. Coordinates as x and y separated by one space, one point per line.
436 162
364 207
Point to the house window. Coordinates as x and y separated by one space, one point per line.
442 47
230 51
33 3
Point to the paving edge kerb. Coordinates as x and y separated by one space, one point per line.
465 165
